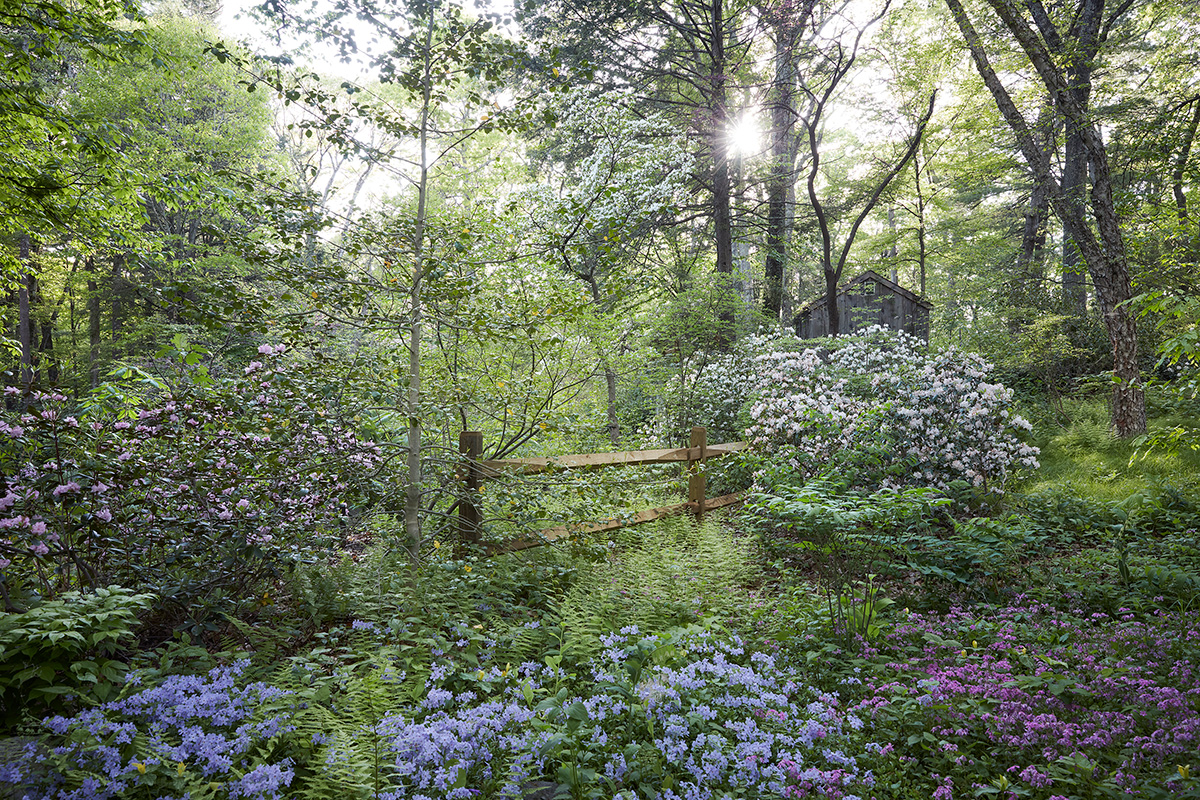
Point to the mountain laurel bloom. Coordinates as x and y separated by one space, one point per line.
925 416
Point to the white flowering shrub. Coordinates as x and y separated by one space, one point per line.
709 389
881 407
713 389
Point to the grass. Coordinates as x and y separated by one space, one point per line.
1084 459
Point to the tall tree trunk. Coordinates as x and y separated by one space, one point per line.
24 322
117 289
1074 184
893 250
718 136
1079 51
1031 266
781 179
93 306
46 353
922 245
1105 257
412 495
610 375
1177 170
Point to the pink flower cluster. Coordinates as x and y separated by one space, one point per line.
1039 685
256 459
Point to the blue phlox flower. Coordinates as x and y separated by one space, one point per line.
263 782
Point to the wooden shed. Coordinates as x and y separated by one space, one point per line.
870 299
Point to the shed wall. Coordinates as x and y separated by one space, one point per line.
863 305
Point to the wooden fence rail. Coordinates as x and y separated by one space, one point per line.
698 451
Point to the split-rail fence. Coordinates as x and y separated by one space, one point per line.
475 470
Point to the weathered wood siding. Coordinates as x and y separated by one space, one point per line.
866 301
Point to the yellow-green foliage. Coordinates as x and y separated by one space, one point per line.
672 572
1085 458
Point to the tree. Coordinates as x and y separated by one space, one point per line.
1102 248
440 72
57 170
49 153
192 133
829 69
681 58
787 24
601 218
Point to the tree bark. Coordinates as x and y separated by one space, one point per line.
1105 257
1185 149
46 353
610 376
43 337
783 160
116 289
412 495
24 323
719 149
893 250
93 306
1078 50
1031 266
1074 185
922 244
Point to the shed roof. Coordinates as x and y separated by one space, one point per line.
870 275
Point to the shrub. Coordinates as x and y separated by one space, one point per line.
64 648
200 495
879 408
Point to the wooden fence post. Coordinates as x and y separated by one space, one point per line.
470 446
697 483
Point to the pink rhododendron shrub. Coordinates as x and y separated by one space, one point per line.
889 408
200 493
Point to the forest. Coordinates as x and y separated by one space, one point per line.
408 399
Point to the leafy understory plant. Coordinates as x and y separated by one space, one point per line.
66 648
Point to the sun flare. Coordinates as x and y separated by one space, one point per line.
745 136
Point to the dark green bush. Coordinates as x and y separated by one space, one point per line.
63 652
